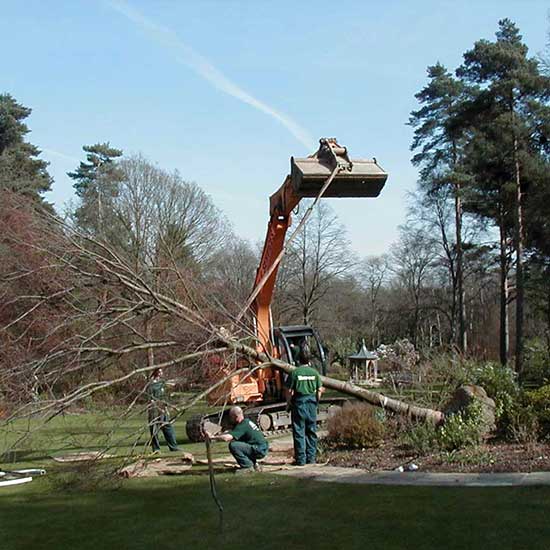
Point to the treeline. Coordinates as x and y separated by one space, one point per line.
472 265
470 271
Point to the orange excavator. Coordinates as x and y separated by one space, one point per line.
328 173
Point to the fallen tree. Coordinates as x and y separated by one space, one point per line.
347 388
121 320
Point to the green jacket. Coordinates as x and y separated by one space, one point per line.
305 380
157 408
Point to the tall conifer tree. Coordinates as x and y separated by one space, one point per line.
439 143
512 87
96 184
20 169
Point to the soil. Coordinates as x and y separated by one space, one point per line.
492 456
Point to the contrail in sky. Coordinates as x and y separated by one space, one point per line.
60 155
186 55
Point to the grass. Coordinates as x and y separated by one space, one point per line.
98 430
263 511
266 511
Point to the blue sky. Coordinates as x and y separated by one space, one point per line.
226 91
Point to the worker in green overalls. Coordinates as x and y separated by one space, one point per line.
305 390
157 413
246 441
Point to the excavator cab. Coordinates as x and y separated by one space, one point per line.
290 339
355 178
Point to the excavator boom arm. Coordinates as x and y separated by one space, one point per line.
359 178
281 205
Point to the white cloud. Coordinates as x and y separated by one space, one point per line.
187 56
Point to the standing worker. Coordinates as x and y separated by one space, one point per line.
305 390
247 443
157 413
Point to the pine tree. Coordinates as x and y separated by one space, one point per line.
96 184
439 142
20 171
488 197
512 89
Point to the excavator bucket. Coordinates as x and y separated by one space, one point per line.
355 178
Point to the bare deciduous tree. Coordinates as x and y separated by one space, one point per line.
231 273
373 274
164 214
412 259
319 254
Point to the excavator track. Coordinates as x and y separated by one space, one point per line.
273 419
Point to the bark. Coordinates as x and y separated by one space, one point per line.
462 334
519 240
504 340
149 336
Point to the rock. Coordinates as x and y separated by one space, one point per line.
464 395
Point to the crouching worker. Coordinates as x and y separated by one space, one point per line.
247 443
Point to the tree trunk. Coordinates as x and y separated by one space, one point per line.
504 340
462 334
149 336
519 239
374 398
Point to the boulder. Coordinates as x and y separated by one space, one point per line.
464 395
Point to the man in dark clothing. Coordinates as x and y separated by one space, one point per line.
246 441
305 390
157 413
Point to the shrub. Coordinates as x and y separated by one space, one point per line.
422 438
338 371
475 456
537 363
500 383
462 429
539 400
522 423
355 426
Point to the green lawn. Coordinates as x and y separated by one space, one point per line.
261 511
266 511
99 430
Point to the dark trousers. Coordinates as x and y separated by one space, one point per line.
246 454
158 423
304 428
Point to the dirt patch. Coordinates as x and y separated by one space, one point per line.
158 466
493 456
